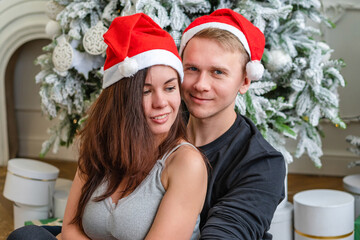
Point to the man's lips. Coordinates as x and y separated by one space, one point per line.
199 99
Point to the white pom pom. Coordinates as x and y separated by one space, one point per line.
254 70
128 67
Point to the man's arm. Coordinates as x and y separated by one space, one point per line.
246 210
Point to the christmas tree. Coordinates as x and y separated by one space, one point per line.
298 89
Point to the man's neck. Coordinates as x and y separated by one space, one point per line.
203 131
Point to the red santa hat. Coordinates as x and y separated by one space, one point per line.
136 42
250 36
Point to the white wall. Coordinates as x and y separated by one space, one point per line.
30 122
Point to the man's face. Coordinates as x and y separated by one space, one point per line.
213 77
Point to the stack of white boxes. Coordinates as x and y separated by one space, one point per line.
35 189
282 223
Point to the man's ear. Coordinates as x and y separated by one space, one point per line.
244 85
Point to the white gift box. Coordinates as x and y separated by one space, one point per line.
23 213
323 214
282 223
62 190
352 184
30 182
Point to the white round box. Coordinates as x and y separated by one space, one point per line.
62 190
282 223
323 214
352 184
23 213
30 182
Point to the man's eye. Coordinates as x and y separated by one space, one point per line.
218 72
192 69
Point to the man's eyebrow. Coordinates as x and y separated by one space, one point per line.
212 67
190 65
220 68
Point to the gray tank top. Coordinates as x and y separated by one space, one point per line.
133 215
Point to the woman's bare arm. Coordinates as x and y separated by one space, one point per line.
185 181
73 231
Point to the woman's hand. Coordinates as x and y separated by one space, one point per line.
59 236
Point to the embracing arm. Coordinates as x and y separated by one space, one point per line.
245 211
185 181
73 231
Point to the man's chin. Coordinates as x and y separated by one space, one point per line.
199 114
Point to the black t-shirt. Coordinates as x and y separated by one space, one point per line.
246 183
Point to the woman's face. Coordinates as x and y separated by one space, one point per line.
161 99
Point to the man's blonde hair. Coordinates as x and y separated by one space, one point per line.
226 39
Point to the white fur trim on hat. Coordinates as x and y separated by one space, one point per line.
191 32
254 70
142 60
128 67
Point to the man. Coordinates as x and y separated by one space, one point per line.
221 55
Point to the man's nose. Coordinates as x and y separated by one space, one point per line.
202 82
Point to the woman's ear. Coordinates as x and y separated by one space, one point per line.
244 85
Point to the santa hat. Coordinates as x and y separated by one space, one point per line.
136 42
250 36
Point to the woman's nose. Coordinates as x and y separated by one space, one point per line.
158 100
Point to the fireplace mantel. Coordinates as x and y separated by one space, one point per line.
20 22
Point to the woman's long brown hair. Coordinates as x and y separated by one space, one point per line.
117 143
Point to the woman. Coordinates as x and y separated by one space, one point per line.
136 171
137 177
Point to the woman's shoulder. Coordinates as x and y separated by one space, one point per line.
186 164
185 147
187 157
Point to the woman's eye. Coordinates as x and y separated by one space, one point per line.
145 92
169 89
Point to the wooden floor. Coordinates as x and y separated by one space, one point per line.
296 183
